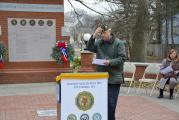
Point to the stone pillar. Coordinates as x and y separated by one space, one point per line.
86 62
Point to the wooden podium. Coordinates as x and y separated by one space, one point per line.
83 96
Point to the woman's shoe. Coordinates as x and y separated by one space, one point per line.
171 97
160 96
171 94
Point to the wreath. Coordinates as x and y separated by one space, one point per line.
62 52
3 54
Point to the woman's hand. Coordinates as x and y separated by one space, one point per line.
176 72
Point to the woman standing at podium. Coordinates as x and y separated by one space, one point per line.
113 51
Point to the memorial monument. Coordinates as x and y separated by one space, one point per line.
30 30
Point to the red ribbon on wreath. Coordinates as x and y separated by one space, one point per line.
63 48
1 62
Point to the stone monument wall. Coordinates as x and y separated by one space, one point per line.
29 30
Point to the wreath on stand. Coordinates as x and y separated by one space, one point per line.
62 52
3 54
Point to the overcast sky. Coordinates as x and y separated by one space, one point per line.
98 6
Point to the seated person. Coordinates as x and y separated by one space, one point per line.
172 77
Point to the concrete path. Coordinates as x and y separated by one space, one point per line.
170 104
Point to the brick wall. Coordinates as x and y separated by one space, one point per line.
86 66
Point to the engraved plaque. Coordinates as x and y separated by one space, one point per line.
31 42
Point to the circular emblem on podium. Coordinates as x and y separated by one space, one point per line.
84 100
32 22
23 22
71 117
49 23
84 117
41 22
97 116
14 22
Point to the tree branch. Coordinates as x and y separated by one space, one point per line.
114 2
91 8
75 12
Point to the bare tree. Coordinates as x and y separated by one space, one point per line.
138 51
159 20
137 22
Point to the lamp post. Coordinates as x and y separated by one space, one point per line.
86 38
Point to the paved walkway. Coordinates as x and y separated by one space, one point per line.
21 102
139 108
24 107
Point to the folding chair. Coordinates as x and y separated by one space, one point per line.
151 69
129 68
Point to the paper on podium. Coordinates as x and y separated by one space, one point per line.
98 61
166 70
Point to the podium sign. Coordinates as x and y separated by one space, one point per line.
84 96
